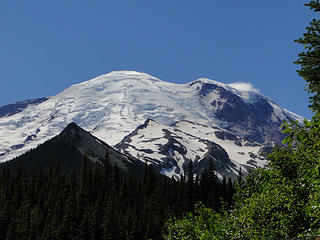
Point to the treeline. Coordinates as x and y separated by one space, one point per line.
100 203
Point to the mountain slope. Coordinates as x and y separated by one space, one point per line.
171 148
17 107
68 148
113 105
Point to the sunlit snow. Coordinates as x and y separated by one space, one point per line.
110 107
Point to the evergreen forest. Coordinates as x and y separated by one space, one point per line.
101 203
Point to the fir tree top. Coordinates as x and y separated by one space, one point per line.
309 59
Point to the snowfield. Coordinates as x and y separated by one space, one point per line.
111 106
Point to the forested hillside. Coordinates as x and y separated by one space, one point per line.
101 203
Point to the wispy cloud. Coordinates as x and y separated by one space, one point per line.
244 87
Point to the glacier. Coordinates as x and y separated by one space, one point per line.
111 106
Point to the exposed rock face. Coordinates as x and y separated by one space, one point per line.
254 119
170 148
17 107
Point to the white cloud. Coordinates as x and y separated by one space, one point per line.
243 87
244 90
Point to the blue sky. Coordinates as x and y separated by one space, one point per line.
46 46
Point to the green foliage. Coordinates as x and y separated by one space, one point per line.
273 213
309 59
205 224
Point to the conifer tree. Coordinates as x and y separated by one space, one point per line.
309 59
190 186
229 192
224 189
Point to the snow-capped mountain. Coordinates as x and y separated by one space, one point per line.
69 148
170 148
111 106
17 107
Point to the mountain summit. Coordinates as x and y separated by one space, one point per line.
69 148
111 106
